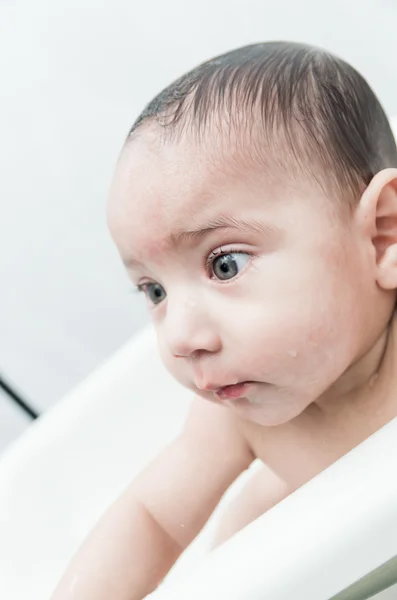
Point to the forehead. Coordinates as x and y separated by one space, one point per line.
174 178
160 188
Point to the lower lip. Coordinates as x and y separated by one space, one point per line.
234 391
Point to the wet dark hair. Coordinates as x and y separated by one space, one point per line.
311 105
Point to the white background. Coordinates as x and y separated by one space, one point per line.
73 76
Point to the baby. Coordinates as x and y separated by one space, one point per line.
255 205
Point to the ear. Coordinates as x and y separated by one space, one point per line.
377 213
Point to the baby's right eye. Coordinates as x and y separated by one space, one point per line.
154 291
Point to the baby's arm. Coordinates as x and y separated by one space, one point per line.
142 534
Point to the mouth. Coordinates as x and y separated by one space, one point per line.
238 390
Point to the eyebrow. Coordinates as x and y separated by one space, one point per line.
189 236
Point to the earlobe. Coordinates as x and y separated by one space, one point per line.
387 268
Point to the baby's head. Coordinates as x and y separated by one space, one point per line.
255 204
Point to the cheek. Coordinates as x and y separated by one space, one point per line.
296 340
305 325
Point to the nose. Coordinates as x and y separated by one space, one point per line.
189 328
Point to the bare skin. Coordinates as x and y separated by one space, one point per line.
307 316
295 452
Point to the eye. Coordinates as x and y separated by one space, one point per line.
228 265
154 291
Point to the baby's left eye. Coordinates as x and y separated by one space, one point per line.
228 265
